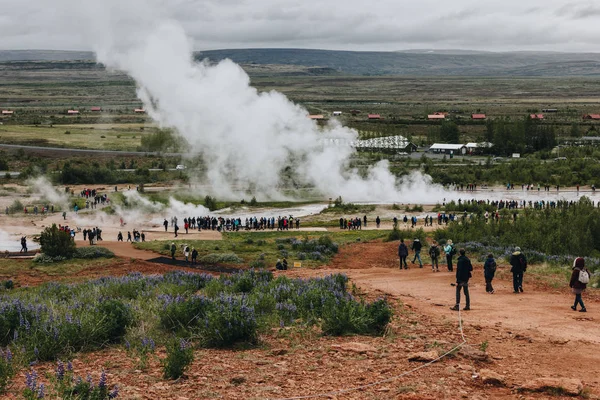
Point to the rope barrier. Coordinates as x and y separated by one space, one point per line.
393 378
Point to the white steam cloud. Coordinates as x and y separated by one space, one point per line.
247 138
43 188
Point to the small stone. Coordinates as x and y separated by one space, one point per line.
473 354
490 377
424 356
237 380
355 347
279 352
570 387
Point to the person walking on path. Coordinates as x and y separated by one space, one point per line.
489 270
416 246
403 253
166 224
579 280
450 250
186 253
518 264
194 256
434 253
463 274
173 250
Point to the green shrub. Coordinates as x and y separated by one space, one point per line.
217 258
55 242
8 285
93 252
114 317
180 315
346 316
179 356
230 321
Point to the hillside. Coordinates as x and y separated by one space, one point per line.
408 62
457 63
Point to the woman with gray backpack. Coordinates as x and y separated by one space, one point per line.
579 280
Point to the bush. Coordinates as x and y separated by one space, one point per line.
180 315
216 258
16 207
346 316
55 243
230 321
114 317
179 356
93 252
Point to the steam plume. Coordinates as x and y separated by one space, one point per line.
247 138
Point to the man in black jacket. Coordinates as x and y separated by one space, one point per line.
403 253
463 274
518 264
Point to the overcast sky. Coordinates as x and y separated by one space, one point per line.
551 25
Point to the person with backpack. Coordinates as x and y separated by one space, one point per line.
434 253
518 264
403 253
450 251
173 250
489 270
186 252
194 255
416 246
579 280
463 274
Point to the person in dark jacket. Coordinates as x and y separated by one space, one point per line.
434 253
194 255
416 246
463 274
577 287
173 250
489 270
403 253
518 264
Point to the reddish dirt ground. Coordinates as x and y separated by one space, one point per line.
526 336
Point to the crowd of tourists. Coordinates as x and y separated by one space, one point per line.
222 224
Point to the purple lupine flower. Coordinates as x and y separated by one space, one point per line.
40 393
69 366
36 352
114 393
31 380
8 355
60 371
102 382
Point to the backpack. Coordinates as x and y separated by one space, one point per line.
491 264
584 277
523 262
453 251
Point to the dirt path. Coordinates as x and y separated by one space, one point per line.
531 334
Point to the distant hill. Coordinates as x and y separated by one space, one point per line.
421 62
418 62
45 55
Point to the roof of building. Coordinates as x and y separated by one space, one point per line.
478 116
386 142
436 116
316 116
139 110
536 116
96 108
592 116
474 145
72 111
7 111
374 116
445 146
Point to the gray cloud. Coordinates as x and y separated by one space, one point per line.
335 24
